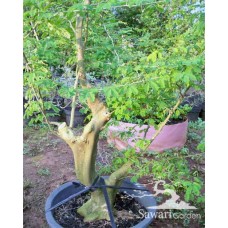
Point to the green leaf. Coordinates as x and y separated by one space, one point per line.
114 92
134 90
65 33
147 87
187 195
154 85
154 56
134 179
92 96
107 92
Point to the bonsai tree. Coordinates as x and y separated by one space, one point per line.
135 71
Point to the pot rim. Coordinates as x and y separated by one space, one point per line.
122 122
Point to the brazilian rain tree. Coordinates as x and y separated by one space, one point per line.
154 50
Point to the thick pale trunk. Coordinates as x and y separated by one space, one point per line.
84 149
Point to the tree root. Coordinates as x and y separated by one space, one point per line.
92 211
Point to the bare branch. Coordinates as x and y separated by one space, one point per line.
87 2
34 31
66 105
71 26
41 106
118 58
80 51
119 174
80 71
73 106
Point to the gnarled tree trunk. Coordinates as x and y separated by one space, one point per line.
84 147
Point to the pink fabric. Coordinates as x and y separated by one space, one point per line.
171 136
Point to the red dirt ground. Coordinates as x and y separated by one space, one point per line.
48 163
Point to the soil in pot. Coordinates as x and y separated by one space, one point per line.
78 116
128 213
176 121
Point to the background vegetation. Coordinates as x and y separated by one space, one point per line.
141 55
145 52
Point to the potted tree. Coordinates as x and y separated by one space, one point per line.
172 135
84 146
79 117
165 72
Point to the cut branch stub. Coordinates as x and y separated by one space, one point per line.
66 134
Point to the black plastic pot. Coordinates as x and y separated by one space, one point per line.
145 198
59 101
25 120
202 112
196 102
78 117
56 118
193 115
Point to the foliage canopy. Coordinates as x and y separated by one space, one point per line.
147 52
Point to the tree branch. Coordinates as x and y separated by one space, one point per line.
38 98
34 31
73 106
115 52
80 51
96 105
41 106
71 26
87 2
119 174
171 111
